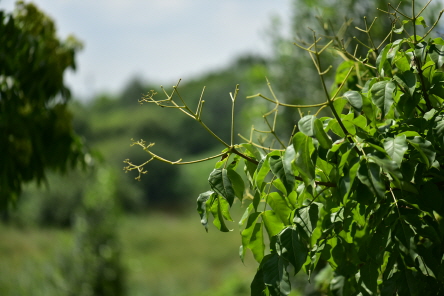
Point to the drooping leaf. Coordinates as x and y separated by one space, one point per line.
220 211
202 207
292 247
221 184
382 95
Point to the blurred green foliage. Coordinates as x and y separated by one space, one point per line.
36 134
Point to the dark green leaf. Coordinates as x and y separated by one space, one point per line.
257 285
221 184
292 248
369 175
425 149
407 80
275 275
367 278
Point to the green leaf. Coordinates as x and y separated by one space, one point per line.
420 21
369 175
303 147
280 206
221 184
261 172
339 105
285 175
287 160
253 238
202 207
292 248
436 53
354 98
307 218
275 275
257 286
306 125
396 148
273 222
367 278
322 137
237 183
220 212
438 129
425 149
381 60
407 80
382 95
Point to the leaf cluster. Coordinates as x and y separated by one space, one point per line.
361 190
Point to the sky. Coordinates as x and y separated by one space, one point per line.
159 41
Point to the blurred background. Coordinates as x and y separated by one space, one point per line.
91 229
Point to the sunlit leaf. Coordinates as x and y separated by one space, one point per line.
396 148
306 125
273 221
303 147
252 237
382 95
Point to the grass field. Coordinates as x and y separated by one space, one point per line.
162 255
